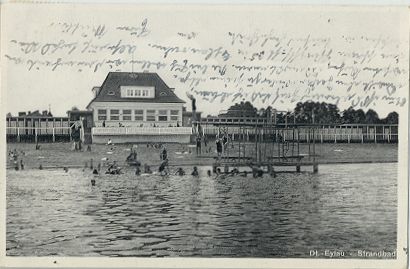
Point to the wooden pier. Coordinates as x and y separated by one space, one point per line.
267 148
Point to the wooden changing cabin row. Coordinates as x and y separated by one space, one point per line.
345 133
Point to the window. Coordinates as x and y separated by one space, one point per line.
114 114
162 115
139 115
137 91
130 92
126 114
102 114
150 115
174 115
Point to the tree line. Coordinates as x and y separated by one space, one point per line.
313 113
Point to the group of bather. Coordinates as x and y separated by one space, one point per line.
14 156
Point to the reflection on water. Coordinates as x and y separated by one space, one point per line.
345 207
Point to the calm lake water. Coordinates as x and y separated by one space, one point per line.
343 207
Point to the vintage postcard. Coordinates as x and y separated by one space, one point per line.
204 136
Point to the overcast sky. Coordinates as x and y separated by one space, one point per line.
37 34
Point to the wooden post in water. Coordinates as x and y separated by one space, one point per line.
18 134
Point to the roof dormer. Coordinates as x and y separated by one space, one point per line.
137 92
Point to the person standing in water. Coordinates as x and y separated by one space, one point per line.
195 172
164 154
219 147
137 171
198 145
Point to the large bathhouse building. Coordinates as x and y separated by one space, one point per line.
136 99
137 107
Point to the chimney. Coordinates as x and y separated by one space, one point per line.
96 91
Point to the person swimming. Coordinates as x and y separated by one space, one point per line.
65 169
209 173
109 142
132 159
257 172
147 169
195 172
234 171
95 172
180 172
137 171
113 169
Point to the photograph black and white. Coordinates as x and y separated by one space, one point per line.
277 133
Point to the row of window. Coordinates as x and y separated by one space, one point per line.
151 115
137 93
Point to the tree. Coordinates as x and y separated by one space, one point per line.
243 109
280 117
392 118
316 112
372 117
352 116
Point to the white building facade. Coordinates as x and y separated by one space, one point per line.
137 107
135 100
